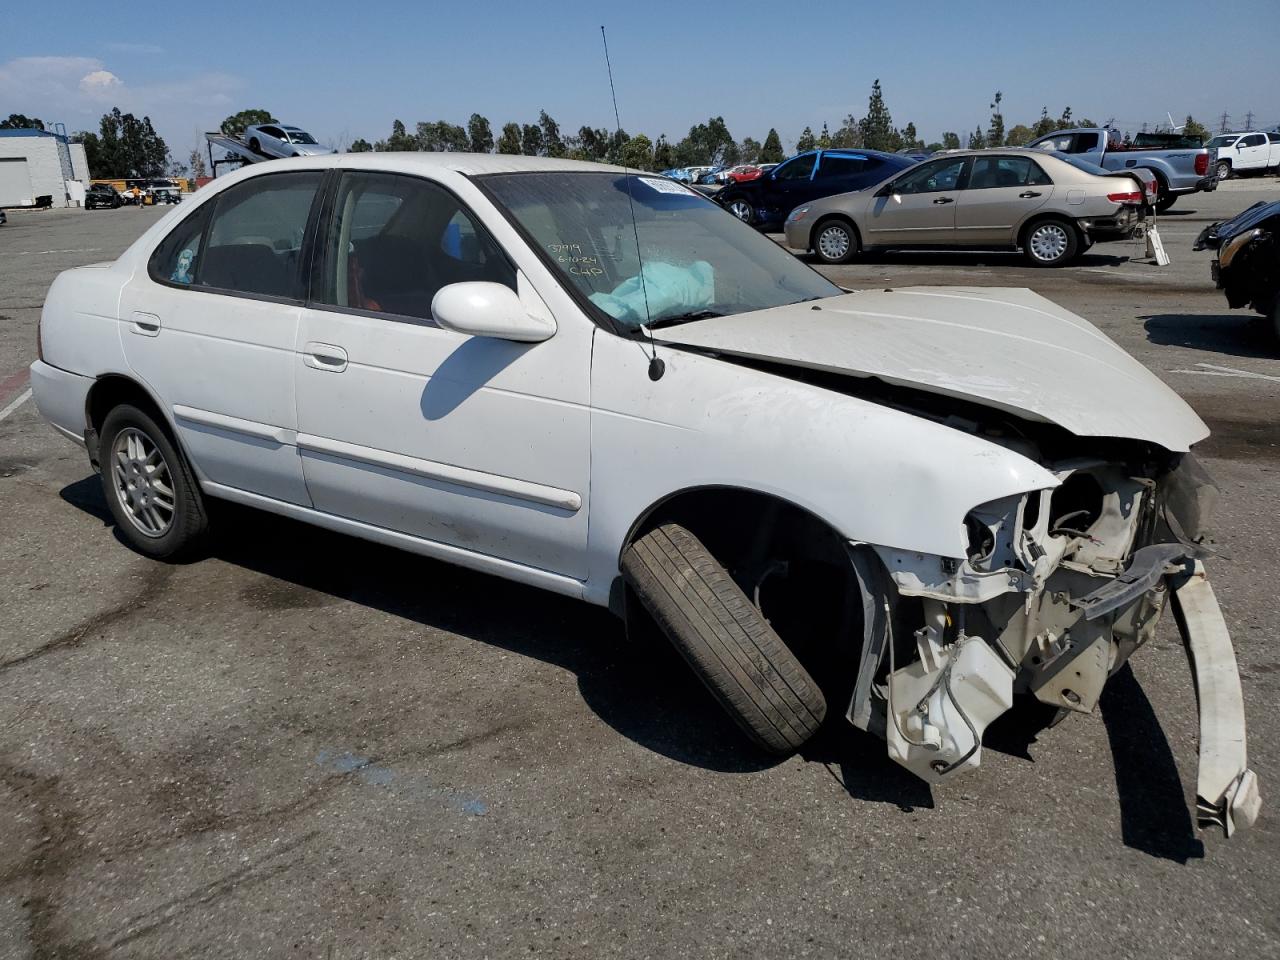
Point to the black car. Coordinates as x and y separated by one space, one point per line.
101 195
1247 268
766 201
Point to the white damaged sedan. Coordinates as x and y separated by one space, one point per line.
899 507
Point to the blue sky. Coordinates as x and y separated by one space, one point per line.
346 70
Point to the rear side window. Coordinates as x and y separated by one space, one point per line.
1253 140
177 257
836 166
991 172
254 242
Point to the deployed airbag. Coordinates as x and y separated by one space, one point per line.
668 288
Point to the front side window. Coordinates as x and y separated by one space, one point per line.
693 259
935 177
991 172
798 169
254 242
394 241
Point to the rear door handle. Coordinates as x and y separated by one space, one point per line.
324 356
144 324
1028 194
944 200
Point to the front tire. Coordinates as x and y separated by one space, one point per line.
1224 170
835 241
725 639
255 145
149 487
1051 243
742 210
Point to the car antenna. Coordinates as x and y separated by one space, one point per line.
656 366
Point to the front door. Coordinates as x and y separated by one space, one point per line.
1252 151
476 443
210 328
1000 194
788 186
919 207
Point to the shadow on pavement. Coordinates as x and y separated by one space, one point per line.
1154 817
1238 334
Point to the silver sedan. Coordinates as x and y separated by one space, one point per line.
1051 206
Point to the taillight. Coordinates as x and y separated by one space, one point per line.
1202 164
1134 197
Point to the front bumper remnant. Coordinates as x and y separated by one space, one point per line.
1226 789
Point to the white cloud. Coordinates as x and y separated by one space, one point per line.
99 84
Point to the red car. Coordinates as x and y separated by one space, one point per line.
745 172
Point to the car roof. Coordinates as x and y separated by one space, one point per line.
469 164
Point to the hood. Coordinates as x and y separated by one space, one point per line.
1009 349
309 149
1216 234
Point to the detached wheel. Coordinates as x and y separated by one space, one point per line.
835 242
1224 170
1051 243
149 487
742 210
724 638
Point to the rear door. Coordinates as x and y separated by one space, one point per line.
919 207
210 327
1001 192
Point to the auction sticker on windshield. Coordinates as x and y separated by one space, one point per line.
663 186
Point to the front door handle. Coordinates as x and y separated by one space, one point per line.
324 356
144 324
1027 194
944 200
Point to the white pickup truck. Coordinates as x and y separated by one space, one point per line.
1248 152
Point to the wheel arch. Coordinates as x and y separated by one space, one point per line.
706 510
112 389
1043 216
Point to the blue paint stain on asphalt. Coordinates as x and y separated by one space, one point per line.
375 775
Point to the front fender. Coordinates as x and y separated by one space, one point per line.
874 474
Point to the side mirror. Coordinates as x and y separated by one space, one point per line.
485 309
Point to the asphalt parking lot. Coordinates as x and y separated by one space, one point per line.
307 746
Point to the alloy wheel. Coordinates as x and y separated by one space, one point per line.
143 482
741 209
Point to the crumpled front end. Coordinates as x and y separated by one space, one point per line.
1058 589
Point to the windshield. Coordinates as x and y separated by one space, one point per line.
297 136
699 260
1222 141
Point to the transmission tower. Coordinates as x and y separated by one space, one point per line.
1248 120
1226 122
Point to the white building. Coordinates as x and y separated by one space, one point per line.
35 163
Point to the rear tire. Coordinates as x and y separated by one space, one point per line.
724 638
1165 200
150 489
1051 243
1273 319
835 241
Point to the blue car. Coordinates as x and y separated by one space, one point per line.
766 201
